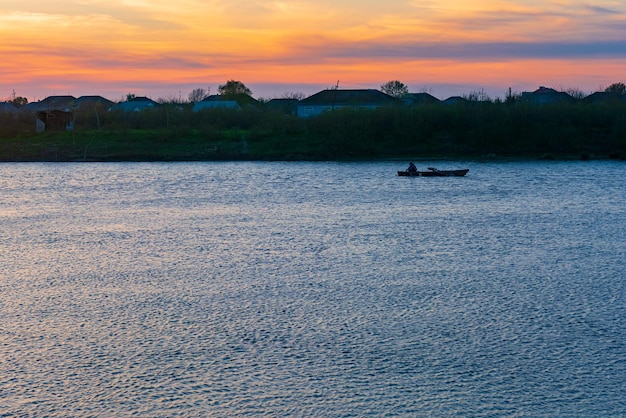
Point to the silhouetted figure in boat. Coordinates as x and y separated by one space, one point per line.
412 168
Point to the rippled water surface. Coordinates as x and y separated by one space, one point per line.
312 289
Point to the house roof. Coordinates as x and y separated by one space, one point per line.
242 99
282 102
283 105
213 104
135 104
7 107
52 103
348 98
602 97
92 100
455 100
545 90
547 95
419 98
142 99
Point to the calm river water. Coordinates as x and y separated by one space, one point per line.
312 289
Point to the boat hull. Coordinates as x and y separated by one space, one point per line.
437 173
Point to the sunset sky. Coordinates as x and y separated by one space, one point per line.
165 49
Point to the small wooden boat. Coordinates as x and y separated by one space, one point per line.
434 173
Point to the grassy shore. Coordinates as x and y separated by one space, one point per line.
163 145
158 145
430 132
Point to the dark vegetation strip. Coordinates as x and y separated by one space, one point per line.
474 130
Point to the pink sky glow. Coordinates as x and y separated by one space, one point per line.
164 49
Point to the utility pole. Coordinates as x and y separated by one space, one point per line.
335 95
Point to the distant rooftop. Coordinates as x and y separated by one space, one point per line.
348 97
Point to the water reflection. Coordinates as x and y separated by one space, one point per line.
302 289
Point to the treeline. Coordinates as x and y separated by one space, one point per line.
480 129
174 132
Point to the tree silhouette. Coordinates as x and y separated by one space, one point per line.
19 101
233 87
617 88
394 88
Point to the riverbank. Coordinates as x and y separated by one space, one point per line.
489 131
237 144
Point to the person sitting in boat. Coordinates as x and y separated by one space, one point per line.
412 168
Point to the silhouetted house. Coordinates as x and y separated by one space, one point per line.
54 120
91 102
328 100
63 103
244 100
602 97
216 101
419 99
287 106
136 104
88 109
545 95
6 107
227 101
456 100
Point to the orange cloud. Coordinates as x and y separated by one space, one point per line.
138 42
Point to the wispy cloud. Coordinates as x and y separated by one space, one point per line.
157 40
602 10
477 51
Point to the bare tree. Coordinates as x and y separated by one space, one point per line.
198 95
477 96
171 99
293 95
426 89
394 88
576 93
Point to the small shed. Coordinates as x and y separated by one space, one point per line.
54 120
